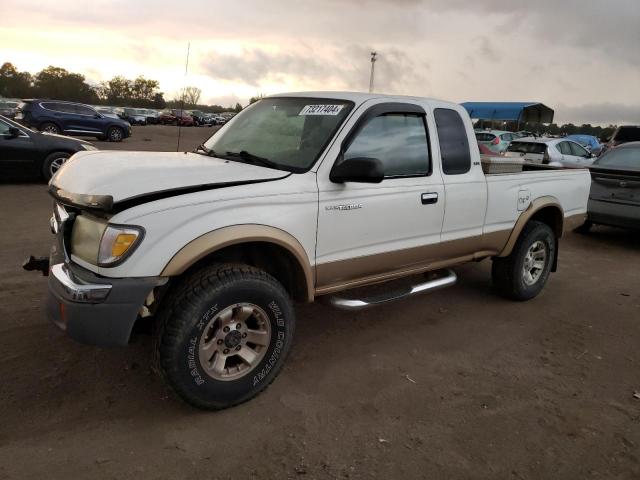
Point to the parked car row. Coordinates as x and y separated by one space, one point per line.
190 118
102 122
175 116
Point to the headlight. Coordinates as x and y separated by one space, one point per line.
99 243
118 241
88 146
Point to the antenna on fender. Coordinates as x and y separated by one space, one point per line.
182 93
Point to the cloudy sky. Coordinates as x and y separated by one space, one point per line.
580 57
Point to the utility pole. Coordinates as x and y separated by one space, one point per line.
373 66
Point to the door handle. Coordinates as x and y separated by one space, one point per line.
429 198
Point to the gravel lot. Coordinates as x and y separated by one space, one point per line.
459 384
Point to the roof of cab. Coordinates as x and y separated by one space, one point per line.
357 97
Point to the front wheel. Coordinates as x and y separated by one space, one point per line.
115 134
224 333
52 164
523 274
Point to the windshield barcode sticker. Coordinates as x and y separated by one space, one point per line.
321 110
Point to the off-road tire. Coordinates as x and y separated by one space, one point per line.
52 163
585 227
508 272
183 321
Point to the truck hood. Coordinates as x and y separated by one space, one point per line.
113 181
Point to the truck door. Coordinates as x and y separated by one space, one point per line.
464 183
372 230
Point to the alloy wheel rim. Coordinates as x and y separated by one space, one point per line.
234 342
116 135
56 164
534 262
50 129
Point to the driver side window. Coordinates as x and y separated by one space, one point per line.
578 151
564 148
398 140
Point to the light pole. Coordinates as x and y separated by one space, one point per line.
373 64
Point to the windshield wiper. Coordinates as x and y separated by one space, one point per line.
207 151
202 148
253 159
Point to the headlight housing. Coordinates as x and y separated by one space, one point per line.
100 243
117 243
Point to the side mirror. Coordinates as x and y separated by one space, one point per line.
357 169
14 132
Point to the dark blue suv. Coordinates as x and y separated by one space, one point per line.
54 116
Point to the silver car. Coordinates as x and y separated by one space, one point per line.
556 152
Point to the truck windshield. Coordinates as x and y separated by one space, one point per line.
285 133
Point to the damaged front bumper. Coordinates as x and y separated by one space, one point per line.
96 310
90 308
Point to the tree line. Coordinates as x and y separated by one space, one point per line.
59 84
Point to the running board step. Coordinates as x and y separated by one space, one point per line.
446 279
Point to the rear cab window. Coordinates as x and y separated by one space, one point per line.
454 144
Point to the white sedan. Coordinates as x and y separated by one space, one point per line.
556 152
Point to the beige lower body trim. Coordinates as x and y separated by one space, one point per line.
573 221
239 234
538 204
354 272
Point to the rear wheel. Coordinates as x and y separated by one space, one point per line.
115 134
224 334
53 163
523 274
49 127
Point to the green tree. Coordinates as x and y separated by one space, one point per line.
14 83
256 98
58 83
158 101
237 108
143 91
115 91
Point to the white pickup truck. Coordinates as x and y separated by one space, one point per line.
300 196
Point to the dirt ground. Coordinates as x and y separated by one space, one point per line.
458 384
